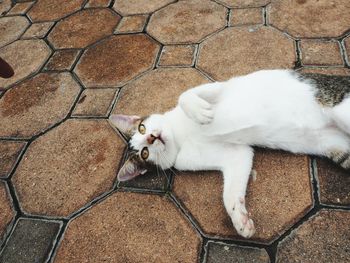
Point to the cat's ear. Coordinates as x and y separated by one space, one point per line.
124 123
130 170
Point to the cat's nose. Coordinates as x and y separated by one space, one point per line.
151 138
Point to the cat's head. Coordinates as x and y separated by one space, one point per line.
150 143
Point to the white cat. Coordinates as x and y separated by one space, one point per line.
214 126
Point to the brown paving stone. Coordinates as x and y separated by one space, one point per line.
62 59
347 48
220 252
83 28
311 18
325 238
244 3
274 207
25 57
132 7
95 102
132 24
334 183
98 3
242 50
316 52
9 153
48 10
7 212
36 104
250 16
11 28
38 30
83 157
117 60
177 55
5 5
187 21
165 84
20 8
326 71
130 227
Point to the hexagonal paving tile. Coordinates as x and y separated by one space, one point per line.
11 28
274 207
244 3
7 211
187 21
20 8
242 50
316 52
25 57
178 55
68 167
165 84
36 104
62 59
311 18
48 10
130 227
9 153
116 60
324 238
83 28
38 30
246 16
132 7
5 6
98 3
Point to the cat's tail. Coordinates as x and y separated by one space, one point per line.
341 158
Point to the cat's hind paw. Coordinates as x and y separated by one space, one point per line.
241 221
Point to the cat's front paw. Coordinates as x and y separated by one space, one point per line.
241 221
197 109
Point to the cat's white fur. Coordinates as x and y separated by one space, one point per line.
214 126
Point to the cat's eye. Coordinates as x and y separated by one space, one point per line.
144 153
142 128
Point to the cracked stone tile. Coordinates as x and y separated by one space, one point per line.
130 227
316 52
7 212
179 55
62 59
326 71
48 10
273 207
250 16
241 50
187 21
98 3
83 28
95 102
325 238
220 252
20 8
25 57
116 60
30 242
36 104
244 3
166 84
11 28
133 7
5 5
347 48
303 18
132 24
38 30
9 154
83 155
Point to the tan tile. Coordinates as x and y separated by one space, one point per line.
95 102
133 7
165 84
117 60
177 56
241 50
324 238
303 18
244 3
20 8
132 24
36 104
48 10
62 59
251 16
68 167
7 212
98 3
326 71
5 5
9 154
25 57
11 28
274 207
187 21
347 48
315 52
130 227
38 30
83 28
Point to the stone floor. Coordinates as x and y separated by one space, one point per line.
78 61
